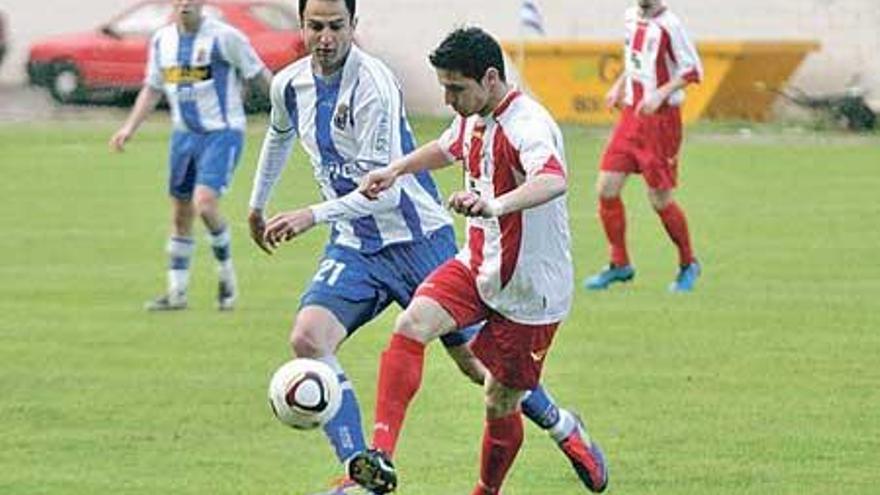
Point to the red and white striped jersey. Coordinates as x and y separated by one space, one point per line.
521 260
656 50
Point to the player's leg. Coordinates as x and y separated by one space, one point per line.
216 162
564 427
316 334
674 221
180 245
612 215
340 299
502 436
400 377
513 354
617 163
660 170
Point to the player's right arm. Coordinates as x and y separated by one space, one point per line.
614 96
429 156
277 144
436 154
146 101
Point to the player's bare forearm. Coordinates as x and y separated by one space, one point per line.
429 156
672 86
146 101
533 192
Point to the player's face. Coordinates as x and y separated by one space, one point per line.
188 11
648 5
328 30
465 95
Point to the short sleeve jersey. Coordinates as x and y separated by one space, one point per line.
200 74
521 260
656 50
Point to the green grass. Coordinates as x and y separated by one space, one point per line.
764 381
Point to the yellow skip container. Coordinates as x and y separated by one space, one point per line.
571 77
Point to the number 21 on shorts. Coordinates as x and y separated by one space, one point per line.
329 271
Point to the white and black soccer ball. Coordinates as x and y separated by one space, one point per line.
305 393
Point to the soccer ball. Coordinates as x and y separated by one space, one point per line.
305 393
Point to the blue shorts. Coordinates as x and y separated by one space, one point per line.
207 159
356 287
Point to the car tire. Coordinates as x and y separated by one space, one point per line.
65 83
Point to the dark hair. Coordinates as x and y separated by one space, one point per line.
351 5
470 51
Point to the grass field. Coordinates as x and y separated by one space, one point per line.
764 381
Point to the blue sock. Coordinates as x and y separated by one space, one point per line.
540 408
345 431
220 241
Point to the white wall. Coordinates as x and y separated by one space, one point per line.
404 31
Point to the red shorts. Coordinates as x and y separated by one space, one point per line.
513 352
646 144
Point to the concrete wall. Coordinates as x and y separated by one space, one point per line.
404 31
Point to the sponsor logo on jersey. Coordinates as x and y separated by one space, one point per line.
185 74
381 139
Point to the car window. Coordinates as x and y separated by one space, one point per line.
275 16
143 19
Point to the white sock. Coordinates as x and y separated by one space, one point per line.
563 428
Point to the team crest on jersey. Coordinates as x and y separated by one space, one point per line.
202 56
341 116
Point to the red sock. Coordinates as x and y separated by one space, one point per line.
501 441
613 218
400 375
676 226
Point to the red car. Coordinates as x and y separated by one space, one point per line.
111 60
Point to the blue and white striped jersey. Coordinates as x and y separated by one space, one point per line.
200 74
349 124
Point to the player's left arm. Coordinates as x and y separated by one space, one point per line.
241 54
687 68
545 179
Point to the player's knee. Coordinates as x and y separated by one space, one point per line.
659 199
501 401
413 325
205 201
307 342
607 190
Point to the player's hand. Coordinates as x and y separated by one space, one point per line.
287 225
257 225
377 181
118 140
613 98
650 103
470 204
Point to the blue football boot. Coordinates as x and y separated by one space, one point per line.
610 275
687 278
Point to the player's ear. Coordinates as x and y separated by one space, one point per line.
354 22
491 76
